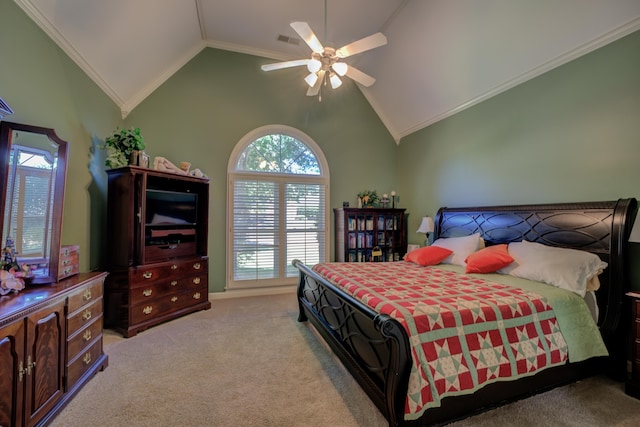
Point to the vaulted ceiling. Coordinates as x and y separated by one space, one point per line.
442 56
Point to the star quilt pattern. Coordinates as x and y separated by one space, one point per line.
464 332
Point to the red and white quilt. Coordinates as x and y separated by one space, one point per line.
465 332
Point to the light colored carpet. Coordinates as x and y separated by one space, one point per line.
248 362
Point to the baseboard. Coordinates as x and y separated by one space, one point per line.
240 293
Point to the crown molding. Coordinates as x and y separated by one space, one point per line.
64 44
562 59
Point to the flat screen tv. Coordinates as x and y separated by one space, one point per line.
170 208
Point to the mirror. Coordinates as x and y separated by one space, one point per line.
33 162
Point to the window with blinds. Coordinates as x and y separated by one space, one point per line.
279 211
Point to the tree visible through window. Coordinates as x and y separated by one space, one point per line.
278 187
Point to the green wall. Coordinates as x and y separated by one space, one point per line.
572 134
568 135
201 113
44 87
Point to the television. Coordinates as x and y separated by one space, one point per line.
171 208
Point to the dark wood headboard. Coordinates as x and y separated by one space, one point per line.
599 227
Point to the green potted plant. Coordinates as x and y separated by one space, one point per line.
123 147
368 198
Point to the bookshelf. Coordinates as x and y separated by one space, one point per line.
370 234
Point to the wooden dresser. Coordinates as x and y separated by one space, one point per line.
632 385
157 250
50 346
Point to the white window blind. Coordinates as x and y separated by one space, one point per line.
305 224
256 237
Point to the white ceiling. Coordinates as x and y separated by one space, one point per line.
442 56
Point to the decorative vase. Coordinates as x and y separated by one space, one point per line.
359 202
137 158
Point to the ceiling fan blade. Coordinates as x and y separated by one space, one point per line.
367 43
286 64
360 77
313 91
306 33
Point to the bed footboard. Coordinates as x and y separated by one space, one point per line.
374 347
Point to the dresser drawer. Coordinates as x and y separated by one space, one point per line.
87 294
77 342
68 261
168 304
140 276
84 316
165 287
83 361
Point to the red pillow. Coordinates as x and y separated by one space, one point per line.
429 255
489 259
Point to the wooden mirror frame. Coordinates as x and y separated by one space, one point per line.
6 135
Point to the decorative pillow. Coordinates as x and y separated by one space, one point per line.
568 269
429 255
462 247
489 259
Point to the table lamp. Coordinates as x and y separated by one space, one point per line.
426 227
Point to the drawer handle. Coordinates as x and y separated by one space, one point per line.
174 266
174 282
86 315
66 262
196 280
196 295
174 299
147 310
86 335
67 270
147 292
147 274
66 252
86 296
87 358
196 266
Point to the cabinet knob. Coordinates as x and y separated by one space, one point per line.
174 282
174 266
147 274
196 266
147 310
196 295
147 292
174 299
196 280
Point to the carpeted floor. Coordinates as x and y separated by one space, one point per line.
248 362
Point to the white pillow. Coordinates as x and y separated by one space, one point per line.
568 269
462 247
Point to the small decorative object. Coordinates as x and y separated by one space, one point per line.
385 200
369 198
393 199
345 204
426 227
185 166
11 275
124 147
164 165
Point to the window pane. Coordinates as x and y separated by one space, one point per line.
305 225
278 154
255 230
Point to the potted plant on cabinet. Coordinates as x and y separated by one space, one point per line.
124 147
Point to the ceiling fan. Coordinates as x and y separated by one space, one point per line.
325 65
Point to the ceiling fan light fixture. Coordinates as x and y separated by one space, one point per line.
314 65
340 68
335 81
311 79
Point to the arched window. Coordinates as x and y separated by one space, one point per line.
277 211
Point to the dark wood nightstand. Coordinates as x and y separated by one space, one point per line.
632 385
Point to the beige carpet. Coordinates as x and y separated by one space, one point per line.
248 362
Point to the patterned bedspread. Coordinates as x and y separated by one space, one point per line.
465 332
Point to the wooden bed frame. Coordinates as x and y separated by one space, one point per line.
375 347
